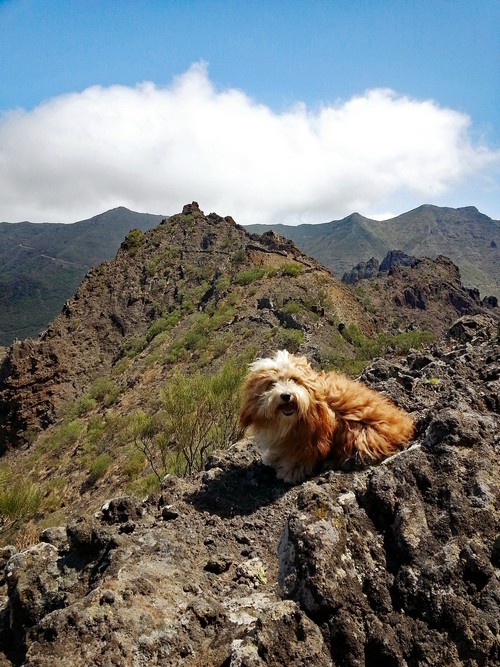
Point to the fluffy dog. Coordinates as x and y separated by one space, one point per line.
299 417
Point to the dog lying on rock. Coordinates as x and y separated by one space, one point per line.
299 417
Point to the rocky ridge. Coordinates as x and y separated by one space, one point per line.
422 293
465 235
373 267
192 263
396 565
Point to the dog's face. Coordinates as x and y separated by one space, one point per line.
278 390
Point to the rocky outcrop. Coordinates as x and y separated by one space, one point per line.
423 293
362 270
396 565
371 268
396 258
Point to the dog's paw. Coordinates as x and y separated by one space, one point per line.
293 474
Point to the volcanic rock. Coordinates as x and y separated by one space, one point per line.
396 564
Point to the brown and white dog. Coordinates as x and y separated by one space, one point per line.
299 417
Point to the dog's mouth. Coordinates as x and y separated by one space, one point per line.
288 409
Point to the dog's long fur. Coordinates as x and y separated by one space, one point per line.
299 417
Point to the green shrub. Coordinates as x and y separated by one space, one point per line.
104 390
99 388
368 348
156 328
291 307
152 267
134 346
144 486
288 339
199 413
249 276
95 433
121 366
84 405
61 437
19 498
239 256
134 463
292 269
361 349
99 467
133 240
222 284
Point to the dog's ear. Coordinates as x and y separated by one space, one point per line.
246 410
246 414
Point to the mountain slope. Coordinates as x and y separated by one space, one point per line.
468 237
163 333
41 265
204 284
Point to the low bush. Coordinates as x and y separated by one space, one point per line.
249 276
199 413
288 339
99 467
104 391
20 499
362 349
133 240
291 269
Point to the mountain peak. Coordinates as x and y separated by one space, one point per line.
204 283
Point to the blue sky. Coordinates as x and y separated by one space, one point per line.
298 111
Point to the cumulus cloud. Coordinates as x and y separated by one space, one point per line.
155 148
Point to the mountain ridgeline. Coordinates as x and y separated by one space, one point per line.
42 265
469 238
202 282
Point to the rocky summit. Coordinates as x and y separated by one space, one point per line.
395 565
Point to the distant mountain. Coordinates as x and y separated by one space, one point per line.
468 237
42 265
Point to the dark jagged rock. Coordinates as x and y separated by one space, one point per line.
362 270
396 564
396 258
371 268
423 293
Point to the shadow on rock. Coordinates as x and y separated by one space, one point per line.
236 483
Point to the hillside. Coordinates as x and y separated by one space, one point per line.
396 564
42 265
469 238
189 297
204 284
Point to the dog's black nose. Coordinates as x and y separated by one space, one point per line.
285 397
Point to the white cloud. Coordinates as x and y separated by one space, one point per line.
154 149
